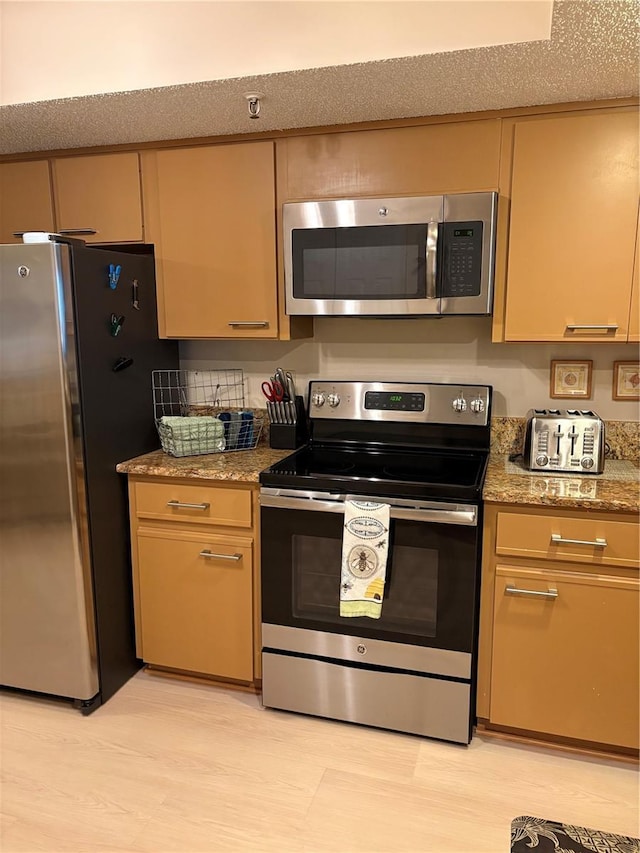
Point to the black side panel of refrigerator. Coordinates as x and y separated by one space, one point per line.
118 347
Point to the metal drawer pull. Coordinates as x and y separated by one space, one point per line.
187 506
596 543
264 323
211 556
574 327
552 592
77 231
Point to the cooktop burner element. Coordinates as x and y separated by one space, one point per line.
421 440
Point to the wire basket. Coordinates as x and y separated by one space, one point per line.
202 411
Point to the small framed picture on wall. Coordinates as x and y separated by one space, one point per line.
626 380
571 379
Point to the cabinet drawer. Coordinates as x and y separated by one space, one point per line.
565 660
230 507
586 540
196 604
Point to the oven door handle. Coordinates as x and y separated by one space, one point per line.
467 517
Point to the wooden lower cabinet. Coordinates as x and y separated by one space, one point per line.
560 631
196 603
566 665
195 583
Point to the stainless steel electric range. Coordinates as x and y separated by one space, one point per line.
421 448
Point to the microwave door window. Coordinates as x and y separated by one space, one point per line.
361 263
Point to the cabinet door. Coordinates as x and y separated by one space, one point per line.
447 157
566 665
195 597
25 199
215 221
574 202
634 316
101 194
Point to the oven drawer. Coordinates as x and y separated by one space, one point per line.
230 507
375 697
581 540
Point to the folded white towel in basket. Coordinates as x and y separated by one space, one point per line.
365 545
191 436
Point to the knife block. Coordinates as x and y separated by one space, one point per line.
290 436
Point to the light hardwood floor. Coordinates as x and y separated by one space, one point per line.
171 766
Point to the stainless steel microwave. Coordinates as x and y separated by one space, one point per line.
390 257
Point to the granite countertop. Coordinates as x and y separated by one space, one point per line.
240 466
617 489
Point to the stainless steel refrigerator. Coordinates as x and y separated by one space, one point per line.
78 342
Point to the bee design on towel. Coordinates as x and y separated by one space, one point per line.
362 561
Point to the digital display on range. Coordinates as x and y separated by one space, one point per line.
394 401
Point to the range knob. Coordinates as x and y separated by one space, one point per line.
459 404
318 398
587 462
542 459
477 405
333 400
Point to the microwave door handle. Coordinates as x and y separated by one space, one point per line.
432 252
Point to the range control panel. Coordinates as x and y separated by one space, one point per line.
564 440
413 402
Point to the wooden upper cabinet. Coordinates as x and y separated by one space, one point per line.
211 214
25 199
634 316
99 193
572 228
449 157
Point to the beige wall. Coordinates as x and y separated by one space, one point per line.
442 350
67 49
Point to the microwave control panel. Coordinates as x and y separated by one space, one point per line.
461 258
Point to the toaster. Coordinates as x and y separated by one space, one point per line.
564 440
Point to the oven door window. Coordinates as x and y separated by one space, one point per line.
430 590
367 262
411 587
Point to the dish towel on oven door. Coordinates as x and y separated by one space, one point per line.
365 544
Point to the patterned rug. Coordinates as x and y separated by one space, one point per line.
550 837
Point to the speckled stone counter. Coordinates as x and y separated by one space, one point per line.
622 437
615 490
243 466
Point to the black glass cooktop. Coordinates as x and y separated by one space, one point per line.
415 473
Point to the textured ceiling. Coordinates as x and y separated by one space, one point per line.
592 54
